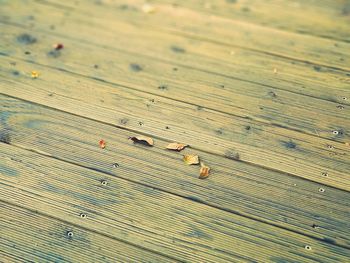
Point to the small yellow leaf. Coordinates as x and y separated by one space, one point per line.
143 140
191 159
176 146
35 74
204 171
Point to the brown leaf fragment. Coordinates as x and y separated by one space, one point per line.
204 171
142 140
176 146
191 159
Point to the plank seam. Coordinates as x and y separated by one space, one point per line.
182 196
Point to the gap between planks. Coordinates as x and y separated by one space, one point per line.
160 213
161 134
217 193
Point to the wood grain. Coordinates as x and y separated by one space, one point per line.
238 98
28 236
227 32
180 228
328 19
288 202
264 145
252 67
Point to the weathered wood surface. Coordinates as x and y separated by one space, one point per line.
261 96
265 145
171 225
27 235
295 204
230 33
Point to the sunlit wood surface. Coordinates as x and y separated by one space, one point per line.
258 89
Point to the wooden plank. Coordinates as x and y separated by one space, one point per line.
244 100
264 145
159 221
230 33
288 202
252 67
28 236
329 19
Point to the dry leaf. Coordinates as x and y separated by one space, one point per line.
204 171
191 159
143 140
176 146
35 74
102 144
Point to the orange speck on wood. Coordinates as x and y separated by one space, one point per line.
102 144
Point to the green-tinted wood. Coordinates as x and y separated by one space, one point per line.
229 33
264 195
149 218
263 145
28 236
329 19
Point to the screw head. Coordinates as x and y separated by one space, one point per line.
70 234
307 247
103 182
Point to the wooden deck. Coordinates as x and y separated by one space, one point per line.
258 89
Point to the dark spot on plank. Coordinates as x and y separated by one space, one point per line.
194 198
163 87
52 27
27 53
54 53
167 127
317 68
175 69
8 171
199 107
124 121
13 63
123 7
231 1
219 131
232 155
329 241
50 94
275 259
222 86
26 39
15 73
289 144
178 49
198 233
272 94
96 66
245 9
346 9
31 17
248 128
135 67
5 137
